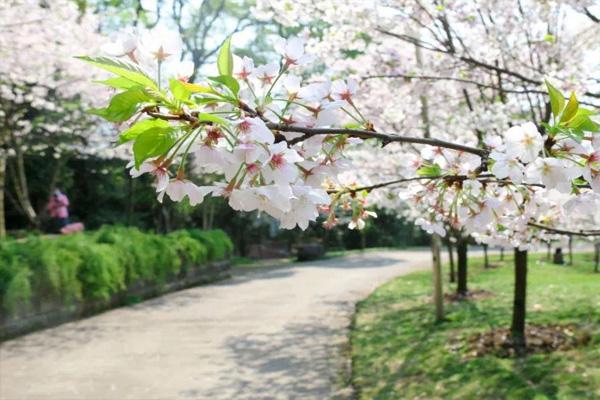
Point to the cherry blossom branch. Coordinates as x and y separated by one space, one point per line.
591 16
384 184
483 178
386 138
470 60
584 233
524 91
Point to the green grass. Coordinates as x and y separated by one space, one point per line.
398 352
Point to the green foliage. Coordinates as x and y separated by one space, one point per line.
557 100
225 58
179 90
123 105
398 350
204 117
123 68
140 127
97 265
151 143
569 120
217 242
18 291
101 274
190 250
228 81
429 170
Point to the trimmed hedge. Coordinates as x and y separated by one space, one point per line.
96 265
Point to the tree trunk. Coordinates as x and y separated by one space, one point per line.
24 187
558 258
166 217
461 250
596 257
486 260
570 250
2 187
451 259
438 292
211 216
519 304
501 253
548 251
130 190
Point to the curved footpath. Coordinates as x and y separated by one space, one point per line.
268 333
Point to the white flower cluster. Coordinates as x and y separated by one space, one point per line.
225 125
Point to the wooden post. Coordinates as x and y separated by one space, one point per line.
517 328
438 292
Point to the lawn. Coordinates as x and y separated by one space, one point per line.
398 352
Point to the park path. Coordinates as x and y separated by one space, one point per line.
272 333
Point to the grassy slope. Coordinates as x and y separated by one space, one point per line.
399 353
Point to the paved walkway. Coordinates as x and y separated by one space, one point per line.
275 333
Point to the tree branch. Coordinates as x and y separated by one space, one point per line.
385 138
584 233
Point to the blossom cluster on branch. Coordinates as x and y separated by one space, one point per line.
280 146
222 125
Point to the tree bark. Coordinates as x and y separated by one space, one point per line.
130 191
486 260
501 253
2 188
548 251
21 182
570 250
438 292
461 250
451 259
519 303
596 257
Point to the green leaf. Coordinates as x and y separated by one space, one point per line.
179 91
123 105
580 118
570 109
228 81
195 88
119 83
225 59
589 126
205 117
152 143
557 100
549 38
143 126
122 68
429 170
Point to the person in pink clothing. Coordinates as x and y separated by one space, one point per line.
58 210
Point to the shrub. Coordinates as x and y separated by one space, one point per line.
190 250
97 265
219 245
